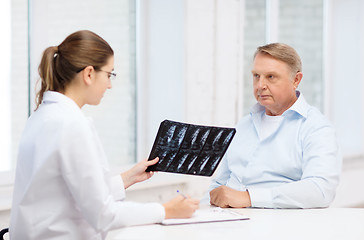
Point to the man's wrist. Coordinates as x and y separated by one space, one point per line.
247 199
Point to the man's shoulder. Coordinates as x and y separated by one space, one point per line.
317 122
245 120
314 115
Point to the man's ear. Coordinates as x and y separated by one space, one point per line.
297 79
87 75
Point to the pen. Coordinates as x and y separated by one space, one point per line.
184 196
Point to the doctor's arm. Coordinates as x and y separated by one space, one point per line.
87 180
178 207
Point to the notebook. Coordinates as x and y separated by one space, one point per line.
206 215
189 149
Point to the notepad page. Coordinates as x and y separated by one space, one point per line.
213 214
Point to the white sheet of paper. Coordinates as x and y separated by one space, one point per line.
212 214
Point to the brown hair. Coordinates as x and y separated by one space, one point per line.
60 64
284 53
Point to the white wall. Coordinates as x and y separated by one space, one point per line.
344 91
345 81
214 61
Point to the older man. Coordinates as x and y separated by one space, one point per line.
285 153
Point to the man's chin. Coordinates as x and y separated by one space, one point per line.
265 102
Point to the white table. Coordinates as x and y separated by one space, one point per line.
267 224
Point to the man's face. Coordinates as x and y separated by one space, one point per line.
274 84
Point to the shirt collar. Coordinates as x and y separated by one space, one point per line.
56 97
300 107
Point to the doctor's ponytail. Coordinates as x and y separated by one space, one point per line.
60 64
46 72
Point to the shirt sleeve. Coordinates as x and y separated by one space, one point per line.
321 168
95 194
223 174
117 187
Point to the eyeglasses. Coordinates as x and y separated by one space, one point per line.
111 75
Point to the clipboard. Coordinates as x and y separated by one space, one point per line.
207 215
189 149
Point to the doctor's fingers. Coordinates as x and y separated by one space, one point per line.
143 165
192 201
190 205
151 162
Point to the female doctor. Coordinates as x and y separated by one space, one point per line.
63 188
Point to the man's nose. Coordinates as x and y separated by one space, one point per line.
262 83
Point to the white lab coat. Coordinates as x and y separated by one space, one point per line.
63 188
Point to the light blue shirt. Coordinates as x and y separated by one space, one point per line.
297 166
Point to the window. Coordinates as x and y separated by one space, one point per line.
15 80
29 28
301 25
254 36
5 122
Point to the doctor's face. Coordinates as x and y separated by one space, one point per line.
101 82
274 84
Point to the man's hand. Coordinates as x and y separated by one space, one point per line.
225 197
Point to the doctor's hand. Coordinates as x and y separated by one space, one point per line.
181 207
225 197
137 173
